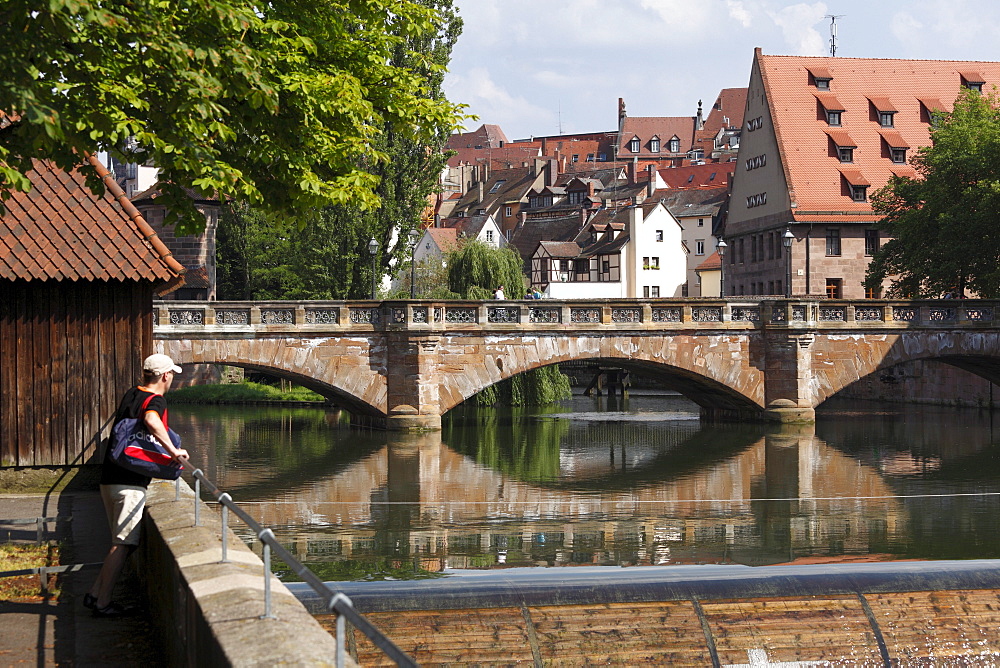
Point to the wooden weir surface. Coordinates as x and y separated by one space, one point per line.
922 628
905 614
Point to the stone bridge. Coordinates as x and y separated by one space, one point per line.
406 363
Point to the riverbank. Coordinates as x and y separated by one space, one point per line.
245 392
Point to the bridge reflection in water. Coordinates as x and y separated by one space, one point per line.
560 491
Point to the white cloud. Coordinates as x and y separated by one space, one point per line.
738 12
483 95
691 16
906 29
797 26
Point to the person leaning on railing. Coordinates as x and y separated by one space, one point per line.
123 491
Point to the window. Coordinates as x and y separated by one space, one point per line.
480 212
859 193
654 263
770 245
873 293
675 145
654 145
975 85
833 117
898 155
753 248
871 242
833 288
740 248
654 291
777 288
633 145
885 118
508 211
832 241
577 196
590 157
489 236
770 287
645 291
684 290
497 185
659 235
701 222
845 153
822 84
645 263
576 157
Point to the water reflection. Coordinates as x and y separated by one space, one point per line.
586 483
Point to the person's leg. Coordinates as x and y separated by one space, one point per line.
124 504
104 585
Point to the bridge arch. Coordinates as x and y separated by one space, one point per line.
722 372
841 360
333 367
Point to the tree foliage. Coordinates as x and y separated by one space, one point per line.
476 268
323 253
943 224
285 105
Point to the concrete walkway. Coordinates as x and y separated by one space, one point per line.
62 632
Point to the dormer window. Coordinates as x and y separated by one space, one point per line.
856 185
654 145
885 118
898 155
833 118
845 153
497 185
859 193
675 145
577 196
633 145
844 145
820 77
894 146
972 81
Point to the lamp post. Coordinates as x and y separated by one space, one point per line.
414 236
373 249
721 248
786 240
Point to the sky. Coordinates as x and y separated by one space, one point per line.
545 67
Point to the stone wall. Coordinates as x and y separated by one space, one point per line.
209 612
924 382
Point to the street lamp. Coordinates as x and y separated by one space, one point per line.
414 236
373 249
721 248
786 240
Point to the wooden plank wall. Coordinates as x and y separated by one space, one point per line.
68 350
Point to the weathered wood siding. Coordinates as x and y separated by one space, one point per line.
68 349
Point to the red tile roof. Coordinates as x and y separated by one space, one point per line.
729 105
60 230
698 176
446 238
663 127
813 173
712 263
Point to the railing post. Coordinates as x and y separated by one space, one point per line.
39 530
263 535
341 627
177 489
223 499
197 498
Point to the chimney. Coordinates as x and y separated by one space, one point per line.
545 146
633 169
699 122
551 172
651 184
486 172
479 193
621 112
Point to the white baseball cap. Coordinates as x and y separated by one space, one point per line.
160 363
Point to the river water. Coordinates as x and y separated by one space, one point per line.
601 481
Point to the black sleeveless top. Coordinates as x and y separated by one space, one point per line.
130 407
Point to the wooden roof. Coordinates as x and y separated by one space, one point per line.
60 230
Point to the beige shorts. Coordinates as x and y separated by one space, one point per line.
124 504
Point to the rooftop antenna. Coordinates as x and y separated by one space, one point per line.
833 32
560 117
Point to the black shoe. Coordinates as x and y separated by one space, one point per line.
89 602
113 610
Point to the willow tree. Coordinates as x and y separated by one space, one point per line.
474 270
943 224
282 104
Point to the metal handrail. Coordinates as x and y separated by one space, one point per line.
335 601
39 523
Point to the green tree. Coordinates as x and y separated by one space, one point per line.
285 105
329 254
943 223
474 270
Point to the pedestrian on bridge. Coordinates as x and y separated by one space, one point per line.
123 491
